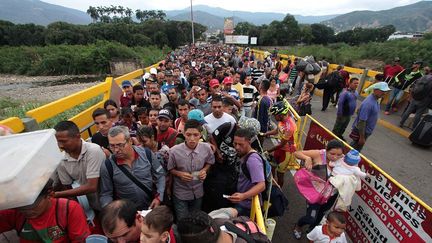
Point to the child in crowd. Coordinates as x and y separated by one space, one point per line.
153 114
142 116
331 232
157 226
127 119
348 165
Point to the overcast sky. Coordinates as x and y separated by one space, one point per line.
308 7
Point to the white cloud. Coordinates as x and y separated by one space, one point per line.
310 7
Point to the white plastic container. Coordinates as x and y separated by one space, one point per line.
27 161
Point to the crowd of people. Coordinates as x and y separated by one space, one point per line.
184 142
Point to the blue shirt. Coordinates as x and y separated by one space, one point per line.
234 93
166 87
368 111
347 103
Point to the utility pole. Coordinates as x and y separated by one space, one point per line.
192 22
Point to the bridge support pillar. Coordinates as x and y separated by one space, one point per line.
30 124
362 80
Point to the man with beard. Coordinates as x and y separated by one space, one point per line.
166 135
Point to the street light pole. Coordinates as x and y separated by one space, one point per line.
192 22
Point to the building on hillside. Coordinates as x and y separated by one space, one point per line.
401 35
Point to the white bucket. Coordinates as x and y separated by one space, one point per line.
96 239
270 227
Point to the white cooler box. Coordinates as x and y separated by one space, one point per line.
27 161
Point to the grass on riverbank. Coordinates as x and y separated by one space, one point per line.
73 59
341 53
13 108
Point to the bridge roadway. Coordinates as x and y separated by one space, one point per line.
408 164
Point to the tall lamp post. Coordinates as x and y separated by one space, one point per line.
192 22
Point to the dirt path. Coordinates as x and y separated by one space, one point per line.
43 88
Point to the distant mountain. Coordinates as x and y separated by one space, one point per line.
409 18
38 12
257 18
212 22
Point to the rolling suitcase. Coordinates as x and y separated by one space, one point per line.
422 134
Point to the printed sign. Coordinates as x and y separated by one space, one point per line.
237 39
381 211
228 26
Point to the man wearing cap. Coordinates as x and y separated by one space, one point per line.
229 93
214 89
169 82
131 172
189 163
367 117
391 70
166 135
401 83
127 95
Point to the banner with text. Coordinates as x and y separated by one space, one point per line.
381 211
228 26
237 39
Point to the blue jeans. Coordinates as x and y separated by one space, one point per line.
395 96
184 207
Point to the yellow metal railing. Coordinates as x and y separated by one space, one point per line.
256 213
13 123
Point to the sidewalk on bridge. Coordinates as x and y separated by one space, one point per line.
391 121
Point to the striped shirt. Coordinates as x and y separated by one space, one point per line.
256 73
250 93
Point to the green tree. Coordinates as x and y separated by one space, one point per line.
306 34
243 28
322 34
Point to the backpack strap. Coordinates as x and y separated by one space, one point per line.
171 137
62 213
244 165
240 233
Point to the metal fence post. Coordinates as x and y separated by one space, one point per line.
30 124
362 80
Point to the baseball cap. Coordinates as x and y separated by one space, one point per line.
126 83
383 86
227 80
396 59
194 102
197 115
213 83
420 62
352 157
193 64
164 113
153 70
168 73
146 76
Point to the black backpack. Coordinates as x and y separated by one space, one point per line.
246 229
334 79
273 193
422 88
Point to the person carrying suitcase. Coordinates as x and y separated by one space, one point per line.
421 94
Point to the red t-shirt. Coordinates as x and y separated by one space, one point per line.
45 228
392 70
167 138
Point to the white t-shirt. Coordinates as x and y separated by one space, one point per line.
213 122
317 236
